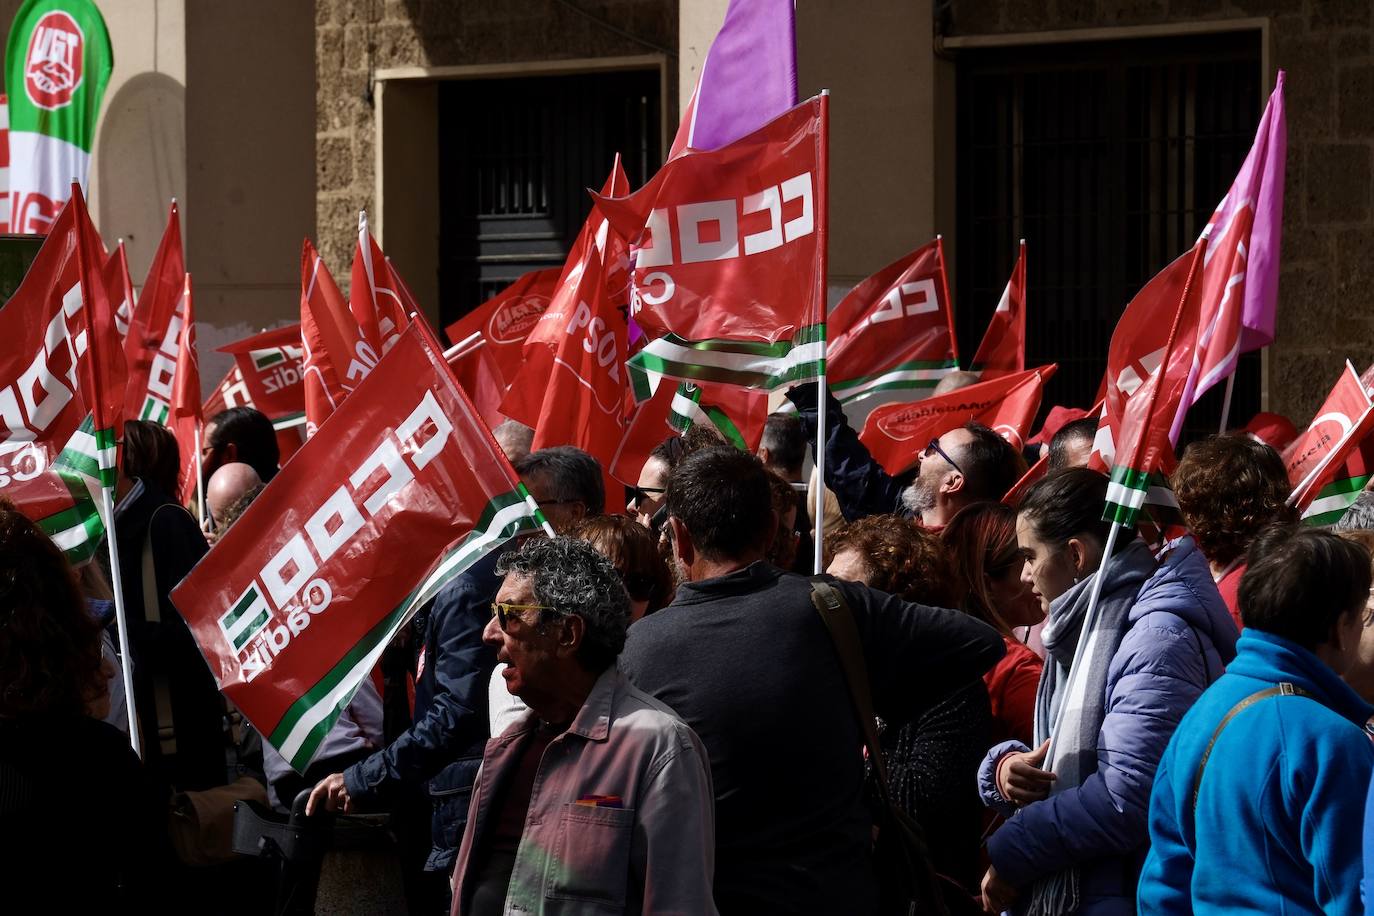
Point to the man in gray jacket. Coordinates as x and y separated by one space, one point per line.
599 796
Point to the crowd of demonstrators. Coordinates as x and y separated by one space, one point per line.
932 759
1228 489
648 713
1111 695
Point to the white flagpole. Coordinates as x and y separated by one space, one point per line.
818 554
126 665
1226 403
200 484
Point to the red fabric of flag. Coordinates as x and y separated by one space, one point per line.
337 357
1003 350
150 348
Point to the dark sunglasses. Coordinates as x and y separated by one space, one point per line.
639 494
934 446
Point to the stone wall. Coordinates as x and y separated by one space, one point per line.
354 38
1324 314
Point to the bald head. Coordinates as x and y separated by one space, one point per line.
954 381
228 485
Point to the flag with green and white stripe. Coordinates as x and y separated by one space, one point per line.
77 528
747 364
1346 479
918 375
306 722
687 410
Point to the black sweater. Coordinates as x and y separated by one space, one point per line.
747 662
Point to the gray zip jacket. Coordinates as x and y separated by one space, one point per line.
655 853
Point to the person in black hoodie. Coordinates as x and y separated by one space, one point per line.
743 657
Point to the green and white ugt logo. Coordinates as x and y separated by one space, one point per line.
246 619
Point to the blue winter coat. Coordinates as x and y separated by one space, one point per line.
1180 640
1278 817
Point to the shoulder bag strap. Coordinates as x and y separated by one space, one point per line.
1283 688
839 620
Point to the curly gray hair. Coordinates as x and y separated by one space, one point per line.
571 576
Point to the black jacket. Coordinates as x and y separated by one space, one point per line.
748 663
443 747
859 483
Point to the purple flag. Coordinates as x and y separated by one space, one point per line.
1240 275
748 77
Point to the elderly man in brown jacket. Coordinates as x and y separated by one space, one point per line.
599 796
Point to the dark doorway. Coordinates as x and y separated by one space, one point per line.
515 159
1108 158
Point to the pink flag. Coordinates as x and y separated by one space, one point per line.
748 77
1240 276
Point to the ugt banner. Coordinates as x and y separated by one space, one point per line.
401 493
57 63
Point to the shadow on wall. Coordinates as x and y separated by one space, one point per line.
140 158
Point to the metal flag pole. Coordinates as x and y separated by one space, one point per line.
823 176
126 665
1226 403
1089 621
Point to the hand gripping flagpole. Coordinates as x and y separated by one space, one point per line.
126 666
823 222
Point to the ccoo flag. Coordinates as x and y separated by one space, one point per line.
294 605
57 63
337 356
894 330
150 347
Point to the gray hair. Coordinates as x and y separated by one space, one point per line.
572 577
572 474
1359 515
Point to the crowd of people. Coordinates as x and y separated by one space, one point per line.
978 707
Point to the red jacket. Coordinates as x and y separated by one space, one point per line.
1012 683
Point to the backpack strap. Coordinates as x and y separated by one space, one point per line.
152 613
1284 688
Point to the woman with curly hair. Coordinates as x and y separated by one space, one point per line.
72 792
932 760
1230 488
987 562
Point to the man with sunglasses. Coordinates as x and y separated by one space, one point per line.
965 465
598 798
429 769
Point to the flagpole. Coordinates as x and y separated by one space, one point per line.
823 175
1089 620
126 666
200 482
1226 403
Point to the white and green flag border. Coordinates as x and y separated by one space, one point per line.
82 465
914 375
748 364
1334 500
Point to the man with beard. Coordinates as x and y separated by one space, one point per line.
965 465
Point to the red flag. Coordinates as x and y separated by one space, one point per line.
895 330
1342 475
506 319
895 434
337 357
730 242
1036 474
1003 350
186 417
374 295
150 349
232 391
572 387
294 604
116 274
1146 384
480 377
1330 429
51 460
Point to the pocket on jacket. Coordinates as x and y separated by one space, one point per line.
451 794
591 860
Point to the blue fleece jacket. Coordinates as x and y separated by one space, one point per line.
1278 821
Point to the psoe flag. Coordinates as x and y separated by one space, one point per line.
57 63
397 495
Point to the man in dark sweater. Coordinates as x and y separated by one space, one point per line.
742 656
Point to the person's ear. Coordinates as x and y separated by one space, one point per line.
570 635
764 455
683 548
231 453
577 511
953 482
1078 558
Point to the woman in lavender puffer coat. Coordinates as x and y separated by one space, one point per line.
1078 832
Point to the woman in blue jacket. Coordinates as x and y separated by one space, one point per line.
1272 822
1161 634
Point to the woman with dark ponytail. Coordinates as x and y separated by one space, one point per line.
1111 693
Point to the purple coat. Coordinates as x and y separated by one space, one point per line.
1180 640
